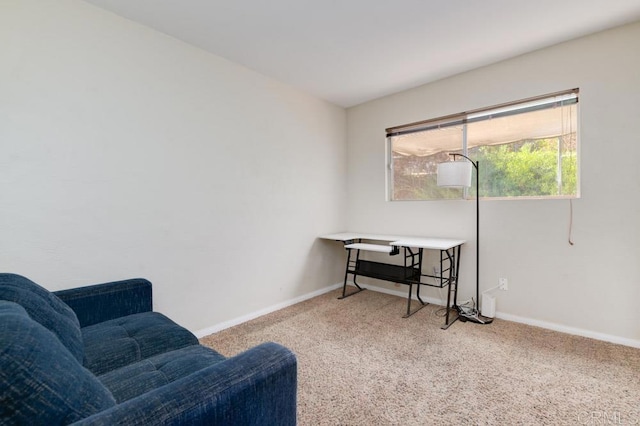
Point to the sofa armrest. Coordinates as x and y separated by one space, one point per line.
102 302
256 387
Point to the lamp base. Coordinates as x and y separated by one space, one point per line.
473 316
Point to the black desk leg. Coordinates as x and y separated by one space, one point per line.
346 275
453 284
410 266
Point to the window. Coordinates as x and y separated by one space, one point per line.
524 149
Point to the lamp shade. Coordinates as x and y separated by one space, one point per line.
454 173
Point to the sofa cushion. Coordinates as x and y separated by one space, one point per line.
40 381
123 341
45 308
143 376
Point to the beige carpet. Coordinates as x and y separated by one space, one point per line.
361 363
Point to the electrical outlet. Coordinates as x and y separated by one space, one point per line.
503 283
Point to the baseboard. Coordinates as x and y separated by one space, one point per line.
507 317
523 320
570 330
253 315
529 321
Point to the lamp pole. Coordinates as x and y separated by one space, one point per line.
476 166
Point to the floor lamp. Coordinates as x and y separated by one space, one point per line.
458 174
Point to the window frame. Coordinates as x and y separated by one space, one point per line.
547 101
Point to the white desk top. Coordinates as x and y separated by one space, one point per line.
398 241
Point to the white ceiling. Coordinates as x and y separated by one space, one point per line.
352 51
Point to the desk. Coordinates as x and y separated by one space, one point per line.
408 273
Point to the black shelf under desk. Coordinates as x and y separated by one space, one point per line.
387 272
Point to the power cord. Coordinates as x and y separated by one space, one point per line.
570 221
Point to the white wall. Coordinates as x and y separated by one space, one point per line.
593 285
125 153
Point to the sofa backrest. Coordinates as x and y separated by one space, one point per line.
45 308
40 381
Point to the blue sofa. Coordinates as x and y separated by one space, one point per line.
99 355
